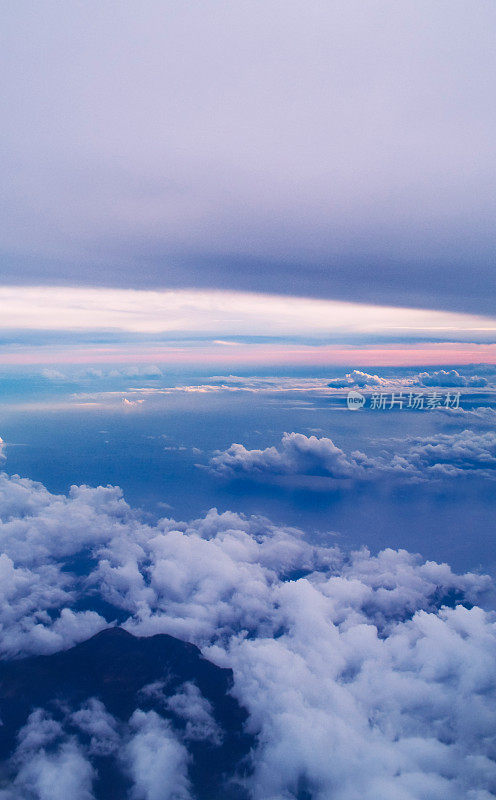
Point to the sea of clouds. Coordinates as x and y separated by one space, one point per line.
368 677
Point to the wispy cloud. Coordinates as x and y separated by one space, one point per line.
220 312
191 326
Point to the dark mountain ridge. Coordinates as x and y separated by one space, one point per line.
114 666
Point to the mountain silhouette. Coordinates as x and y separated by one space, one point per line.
115 666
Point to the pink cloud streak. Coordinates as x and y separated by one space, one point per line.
384 355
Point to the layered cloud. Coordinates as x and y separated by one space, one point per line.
413 458
364 676
455 454
437 378
357 378
296 454
481 416
451 378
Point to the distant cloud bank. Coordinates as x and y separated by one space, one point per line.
414 459
451 378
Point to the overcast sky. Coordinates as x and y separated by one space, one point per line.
339 149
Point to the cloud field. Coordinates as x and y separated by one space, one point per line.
364 676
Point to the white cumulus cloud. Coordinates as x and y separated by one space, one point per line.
364 676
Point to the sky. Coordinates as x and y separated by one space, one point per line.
332 149
248 392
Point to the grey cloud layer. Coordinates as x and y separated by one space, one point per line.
360 681
342 150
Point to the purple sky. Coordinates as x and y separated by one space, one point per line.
332 149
